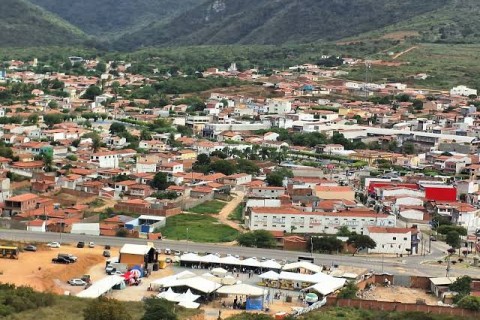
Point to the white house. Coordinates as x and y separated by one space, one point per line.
91 229
279 106
105 159
462 91
36 226
393 240
289 218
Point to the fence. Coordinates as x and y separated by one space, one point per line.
148 211
400 307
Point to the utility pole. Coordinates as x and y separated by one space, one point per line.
187 242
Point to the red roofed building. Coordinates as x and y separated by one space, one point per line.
19 204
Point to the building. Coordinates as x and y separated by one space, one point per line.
393 240
292 219
37 226
106 159
462 91
19 204
146 224
266 192
137 255
91 229
335 192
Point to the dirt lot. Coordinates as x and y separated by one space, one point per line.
398 294
36 269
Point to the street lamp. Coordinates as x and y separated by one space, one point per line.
187 241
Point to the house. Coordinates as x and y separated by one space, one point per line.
105 159
37 225
123 186
391 240
170 167
335 192
266 192
19 204
140 190
237 179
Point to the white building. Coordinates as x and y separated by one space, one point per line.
91 229
36 226
462 91
105 159
290 218
279 106
393 240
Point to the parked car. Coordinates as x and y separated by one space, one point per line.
107 247
91 244
76 282
68 256
168 251
53 244
61 260
168 260
106 253
30 248
81 244
109 269
178 253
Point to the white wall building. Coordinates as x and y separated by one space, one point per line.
279 106
105 159
392 240
92 229
462 91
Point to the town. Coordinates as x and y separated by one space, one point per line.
291 188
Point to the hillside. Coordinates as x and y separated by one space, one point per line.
277 21
113 17
24 24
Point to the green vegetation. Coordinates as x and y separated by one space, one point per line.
462 286
208 207
349 291
470 303
275 178
24 24
106 309
257 239
201 228
328 244
237 214
360 242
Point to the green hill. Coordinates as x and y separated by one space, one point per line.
110 18
24 24
277 21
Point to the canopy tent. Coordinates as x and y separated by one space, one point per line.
190 257
210 258
242 289
186 297
230 260
228 280
101 287
306 278
189 305
303 265
251 262
219 272
270 275
197 283
168 295
165 282
328 286
271 264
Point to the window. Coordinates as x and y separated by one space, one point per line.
394 238
405 239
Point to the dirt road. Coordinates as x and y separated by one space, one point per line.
229 208
403 52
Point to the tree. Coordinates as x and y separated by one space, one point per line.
92 92
203 159
343 231
122 233
417 104
349 291
106 309
453 239
160 181
445 229
117 127
327 244
52 119
360 241
101 67
462 286
257 238
470 303
145 135
223 166
276 177
33 118
159 309
408 148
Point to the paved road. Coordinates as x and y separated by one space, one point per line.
397 266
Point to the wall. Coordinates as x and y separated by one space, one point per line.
400 307
148 211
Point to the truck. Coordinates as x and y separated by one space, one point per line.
113 267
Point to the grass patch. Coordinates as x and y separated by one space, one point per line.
236 214
201 228
208 207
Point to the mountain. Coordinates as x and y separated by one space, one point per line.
24 24
110 18
277 21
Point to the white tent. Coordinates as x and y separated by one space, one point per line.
168 295
189 305
303 265
251 262
242 289
186 297
270 275
230 261
228 280
166 281
197 283
101 287
304 278
328 286
211 258
219 272
271 264
190 257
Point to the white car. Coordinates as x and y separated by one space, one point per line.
91 244
76 282
53 244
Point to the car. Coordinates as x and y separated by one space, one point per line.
433 238
177 252
76 282
106 253
168 251
81 244
91 244
68 256
109 269
168 260
107 247
61 260
30 248
53 244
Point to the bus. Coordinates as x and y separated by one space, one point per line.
9 252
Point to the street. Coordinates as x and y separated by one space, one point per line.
398 266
